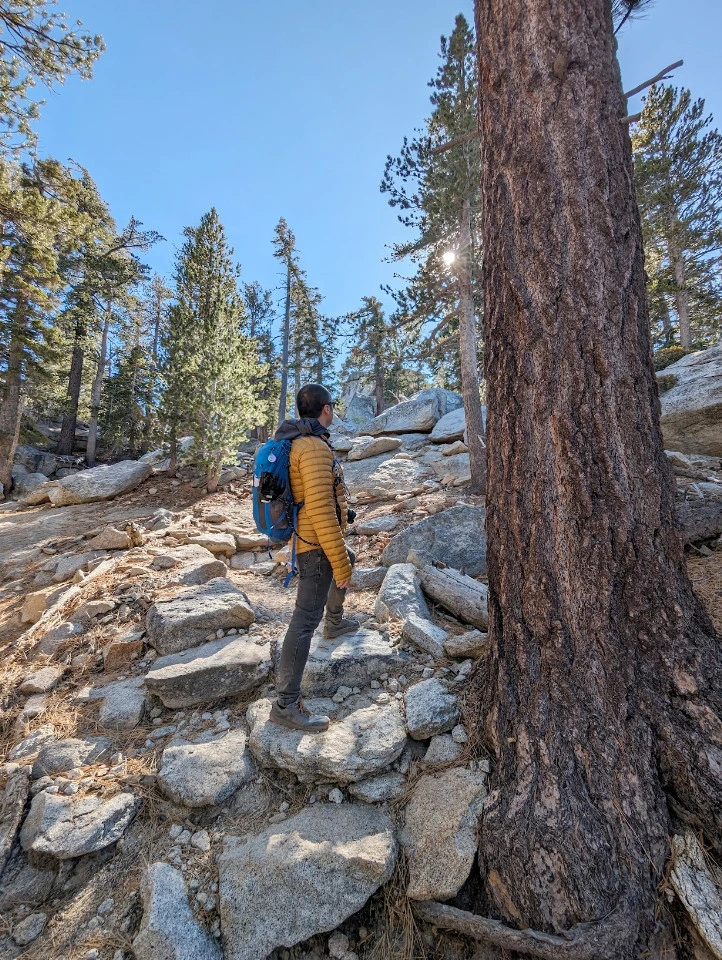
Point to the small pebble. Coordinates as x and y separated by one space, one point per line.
201 841
93 923
106 906
71 789
184 838
284 806
458 734
335 795
92 955
427 673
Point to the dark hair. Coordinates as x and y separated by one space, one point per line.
311 400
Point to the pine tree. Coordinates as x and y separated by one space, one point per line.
211 375
370 355
156 297
36 48
435 184
43 223
678 177
284 243
260 314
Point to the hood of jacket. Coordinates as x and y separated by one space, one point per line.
305 427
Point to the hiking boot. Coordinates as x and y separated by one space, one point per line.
331 629
296 717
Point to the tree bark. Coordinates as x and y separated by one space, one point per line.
96 393
11 409
469 357
283 401
66 441
681 295
601 696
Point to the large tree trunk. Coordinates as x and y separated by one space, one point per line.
66 441
11 409
283 401
96 393
470 357
601 699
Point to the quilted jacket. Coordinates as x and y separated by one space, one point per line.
317 482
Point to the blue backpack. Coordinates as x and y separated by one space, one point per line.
274 511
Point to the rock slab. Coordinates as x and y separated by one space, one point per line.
455 537
419 413
364 447
204 774
692 408
63 827
100 483
400 596
440 832
365 742
169 931
218 669
302 877
430 709
12 804
186 620
71 752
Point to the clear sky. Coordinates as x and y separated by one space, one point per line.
289 109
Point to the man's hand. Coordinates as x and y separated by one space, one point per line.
342 584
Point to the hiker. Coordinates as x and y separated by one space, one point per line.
323 559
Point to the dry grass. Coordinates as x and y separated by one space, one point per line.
706 576
395 932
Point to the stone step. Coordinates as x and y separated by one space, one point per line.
65 827
186 620
353 660
366 738
205 774
222 668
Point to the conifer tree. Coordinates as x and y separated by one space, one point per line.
284 243
260 313
678 178
434 182
156 297
43 223
370 355
37 47
211 365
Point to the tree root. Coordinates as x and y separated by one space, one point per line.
607 939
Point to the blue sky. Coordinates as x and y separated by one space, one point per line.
289 109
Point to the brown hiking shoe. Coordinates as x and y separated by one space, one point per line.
332 630
296 717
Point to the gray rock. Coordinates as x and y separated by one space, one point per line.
71 752
33 743
26 884
29 929
452 470
185 620
472 644
192 565
353 660
400 596
385 477
124 703
35 461
221 668
442 749
203 774
364 447
455 537
359 410
440 832
110 538
413 441
12 805
301 877
697 884
424 634
68 566
341 443
25 483
453 448
692 408
223 543
387 786
419 414
57 638
367 578
383 524
169 931
430 709
63 827
366 741
100 483
43 680
450 427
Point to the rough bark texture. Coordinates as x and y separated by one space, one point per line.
601 702
95 394
10 412
470 358
66 440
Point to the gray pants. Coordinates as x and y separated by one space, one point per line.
316 589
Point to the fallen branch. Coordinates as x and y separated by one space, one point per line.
603 940
461 595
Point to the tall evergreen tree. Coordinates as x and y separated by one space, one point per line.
284 243
156 297
37 47
260 314
435 184
678 177
211 365
370 355
43 223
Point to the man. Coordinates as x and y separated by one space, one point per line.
324 562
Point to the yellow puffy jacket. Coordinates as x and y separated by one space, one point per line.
315 483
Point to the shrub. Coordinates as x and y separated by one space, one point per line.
662 358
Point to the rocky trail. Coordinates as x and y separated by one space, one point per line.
147 806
